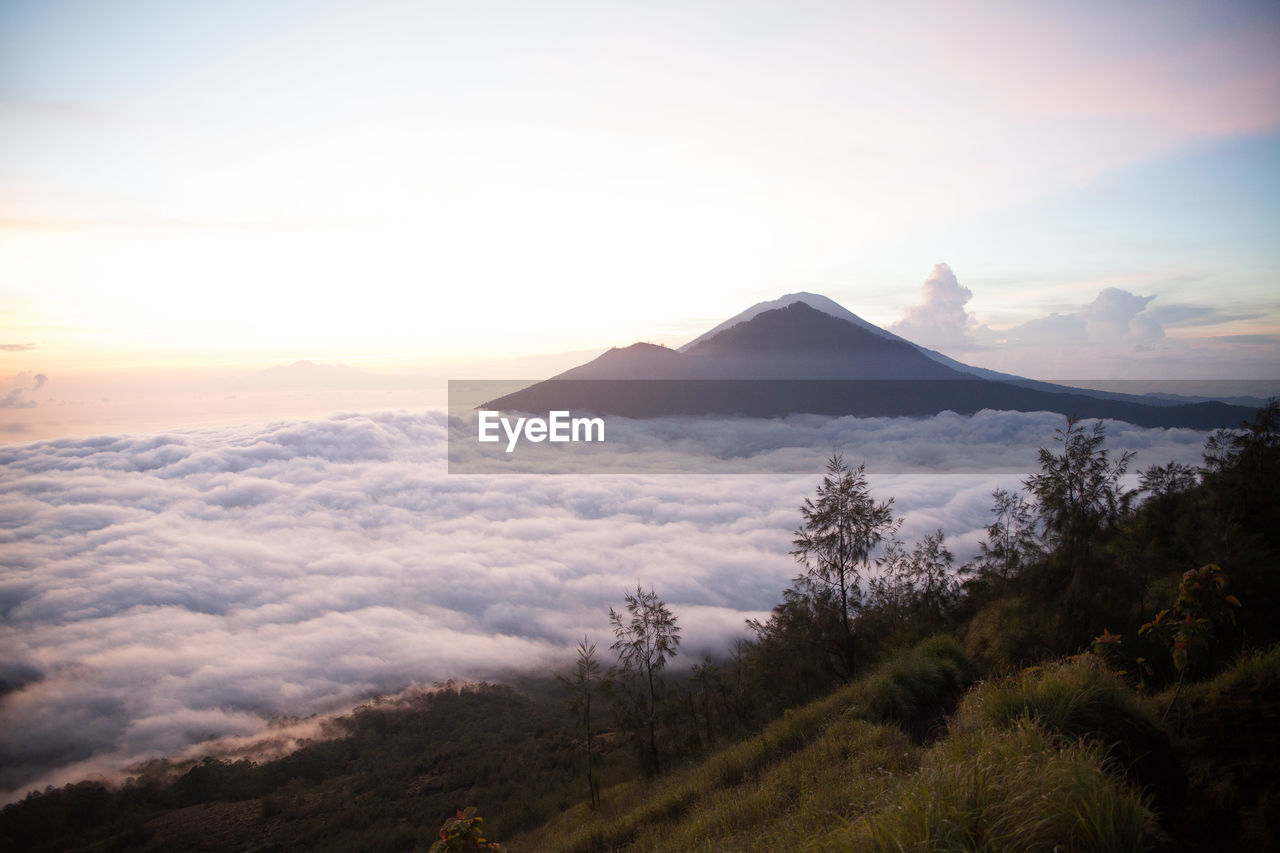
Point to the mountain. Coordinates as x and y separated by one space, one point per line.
814 300
835 309
794 342
804 353
309 374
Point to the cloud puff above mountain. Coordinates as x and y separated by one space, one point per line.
1115 317
940 318
1118 334
161 590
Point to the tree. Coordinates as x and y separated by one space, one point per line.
1164 481
1079 492
799 652
1242 473
1011 538
920 580
842 525
1081 499
584 684
1241 502
646 641
708 680
1166 530
1201 610
463 833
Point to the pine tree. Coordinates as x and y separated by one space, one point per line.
646 641
842 526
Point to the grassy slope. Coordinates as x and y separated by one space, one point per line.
1226 734
1062 757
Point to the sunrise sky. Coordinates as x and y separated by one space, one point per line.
243 245
395 185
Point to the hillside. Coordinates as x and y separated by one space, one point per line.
393 771
1063 756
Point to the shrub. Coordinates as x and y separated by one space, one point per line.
1194 622
462 833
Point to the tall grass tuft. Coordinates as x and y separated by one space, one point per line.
1016 788
1080 698
918 687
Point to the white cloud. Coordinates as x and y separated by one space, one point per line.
1120 334
1117 316
940 318
21 385
164 590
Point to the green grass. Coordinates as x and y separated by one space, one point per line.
1077 697
919 686
1249 674
998 789
1026 768
814 769
1081 699
822 784
637 812
827 783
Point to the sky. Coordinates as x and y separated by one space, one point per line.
420 186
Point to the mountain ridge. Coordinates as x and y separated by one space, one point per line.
790 356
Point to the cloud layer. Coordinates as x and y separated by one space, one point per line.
164 590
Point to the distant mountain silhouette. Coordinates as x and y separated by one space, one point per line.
806 354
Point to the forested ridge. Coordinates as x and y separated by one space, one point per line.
1112 649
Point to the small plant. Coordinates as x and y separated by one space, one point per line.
1108 647
1192 623
1124 661
463 833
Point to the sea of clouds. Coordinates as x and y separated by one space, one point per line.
164 591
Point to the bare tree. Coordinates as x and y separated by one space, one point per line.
587 680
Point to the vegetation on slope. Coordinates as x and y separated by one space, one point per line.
398 770
1051 758
844 774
